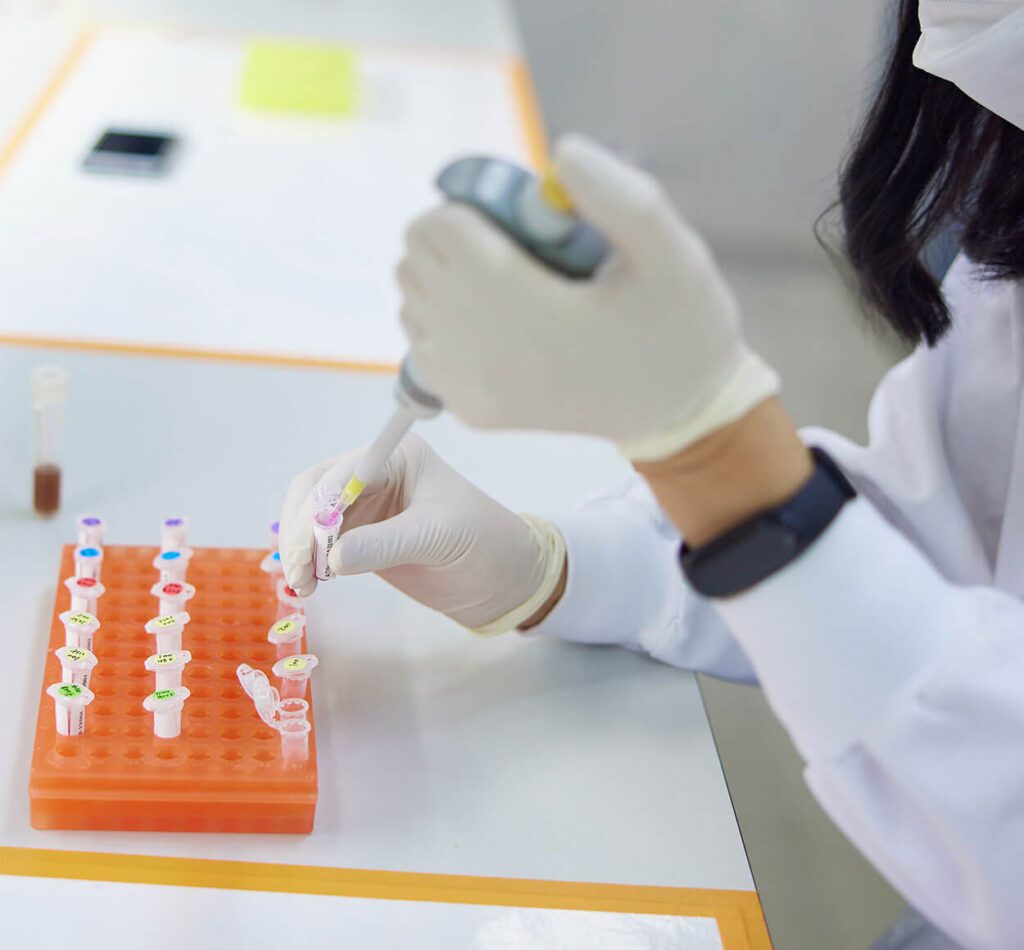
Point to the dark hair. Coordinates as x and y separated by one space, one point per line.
928 157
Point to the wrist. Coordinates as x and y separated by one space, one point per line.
552 601
733 473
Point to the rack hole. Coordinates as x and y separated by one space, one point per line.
134 732
199 673
231 755
201 692
100 752
230 712
197 755
198 712
231 733
231 692
263 756
198 732
133 752
166 754
67 750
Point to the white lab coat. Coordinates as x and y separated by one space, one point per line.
893 649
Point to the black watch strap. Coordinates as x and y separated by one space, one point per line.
762 545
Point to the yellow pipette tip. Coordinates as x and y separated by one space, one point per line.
551 190
352 490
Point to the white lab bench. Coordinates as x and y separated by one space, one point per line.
439 753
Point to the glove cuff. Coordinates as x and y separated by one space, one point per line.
551 551
751 382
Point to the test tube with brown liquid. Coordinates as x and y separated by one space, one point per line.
49 396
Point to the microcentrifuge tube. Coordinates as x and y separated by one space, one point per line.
88 562
173 565
168 667
288 602
275 531
85 592
49 396
294 740
294 672
79 627
69 702
172 595
173 532
76 664
90 531
166 706
286 634
167 628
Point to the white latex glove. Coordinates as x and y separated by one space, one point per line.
435 536
648 353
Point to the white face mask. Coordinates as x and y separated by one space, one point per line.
978 45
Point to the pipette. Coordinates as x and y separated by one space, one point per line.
534 212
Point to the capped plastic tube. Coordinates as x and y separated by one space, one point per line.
69 702
166 706
168 668
288 602
286 634
79 627
85 592
326 527
167 628
88 562
275 531
49 398
91 529
76 664
173 595
173 565
294 740
173 533
294 672
292 708
271 566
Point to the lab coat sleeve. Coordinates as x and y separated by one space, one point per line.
624 587
903 693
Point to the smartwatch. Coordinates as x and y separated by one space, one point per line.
764 544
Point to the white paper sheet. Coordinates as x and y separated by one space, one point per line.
273 236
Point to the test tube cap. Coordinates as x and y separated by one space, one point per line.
174 559
299 666
87 588
92 525
89 552
271 564
166 700
80 622
70 694
49 386
168 623
77 659
287 629
175 592
166 662
287 596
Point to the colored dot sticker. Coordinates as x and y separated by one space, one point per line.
172 588
70 691
88 552
289 592
173 522
75 653
276 556
284 627
165 694
80 620
295 663
162 659
86 581
91 522
170 555
168 620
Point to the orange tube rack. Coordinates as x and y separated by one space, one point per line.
224 772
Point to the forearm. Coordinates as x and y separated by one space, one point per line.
753 464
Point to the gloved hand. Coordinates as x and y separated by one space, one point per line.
435 536
648 353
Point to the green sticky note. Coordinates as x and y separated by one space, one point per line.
299 77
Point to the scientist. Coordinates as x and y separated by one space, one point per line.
875 593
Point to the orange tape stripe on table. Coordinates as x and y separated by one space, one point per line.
738 913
